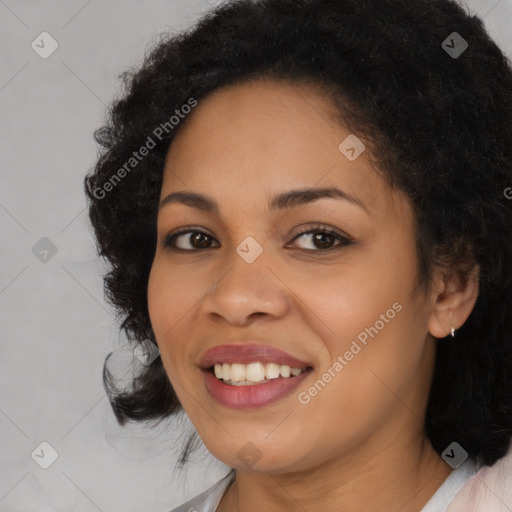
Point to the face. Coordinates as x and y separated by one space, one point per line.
328 280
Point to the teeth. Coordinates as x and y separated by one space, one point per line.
246 374
226 371
255 372
237 372
272 370
218 371
285 370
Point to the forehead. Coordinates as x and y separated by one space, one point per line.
263 137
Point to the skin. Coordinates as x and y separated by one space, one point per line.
242 145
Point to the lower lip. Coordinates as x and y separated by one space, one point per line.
251 396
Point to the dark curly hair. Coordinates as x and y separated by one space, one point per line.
438 125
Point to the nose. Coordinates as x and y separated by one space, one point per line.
245 292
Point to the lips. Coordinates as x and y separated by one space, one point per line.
255 396
248 353
258 394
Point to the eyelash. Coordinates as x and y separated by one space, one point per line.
317 229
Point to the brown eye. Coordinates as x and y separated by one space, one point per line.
324 239
188 240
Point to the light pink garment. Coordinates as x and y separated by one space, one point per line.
489 490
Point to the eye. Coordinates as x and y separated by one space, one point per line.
198 240
322 239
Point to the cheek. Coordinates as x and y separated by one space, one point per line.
370 314
174 294
169 300
352 296
159 298
379 336
171 293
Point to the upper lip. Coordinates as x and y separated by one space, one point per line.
248 353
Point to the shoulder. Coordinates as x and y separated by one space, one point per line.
208 500
489 490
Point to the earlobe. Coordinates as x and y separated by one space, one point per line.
453 299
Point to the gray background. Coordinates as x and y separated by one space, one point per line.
56 328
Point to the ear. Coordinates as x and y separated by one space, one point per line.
453 298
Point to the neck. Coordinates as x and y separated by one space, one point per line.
395 478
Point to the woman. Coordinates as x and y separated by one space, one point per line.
304 206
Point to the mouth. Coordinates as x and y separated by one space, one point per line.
245 354
246 376
255 373
247 394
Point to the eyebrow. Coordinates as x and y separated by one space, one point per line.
284 200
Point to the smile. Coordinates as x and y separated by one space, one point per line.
248 375
239 374
240 395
